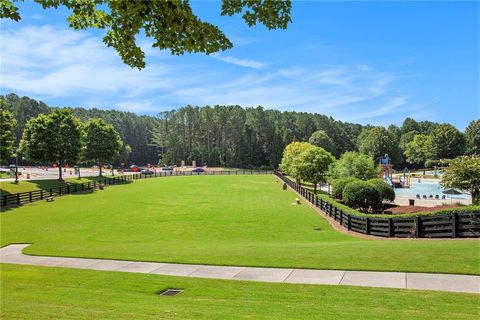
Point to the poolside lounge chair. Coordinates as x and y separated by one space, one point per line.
424 196
430 197
444 197
437 196
418 196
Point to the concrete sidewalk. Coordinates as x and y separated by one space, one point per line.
401 280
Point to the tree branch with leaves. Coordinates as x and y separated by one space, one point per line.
172 24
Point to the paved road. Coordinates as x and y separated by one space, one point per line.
52 173
401 280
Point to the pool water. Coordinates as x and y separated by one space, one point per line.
425 188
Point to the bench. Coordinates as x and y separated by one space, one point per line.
48 199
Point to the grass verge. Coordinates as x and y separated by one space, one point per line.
44 293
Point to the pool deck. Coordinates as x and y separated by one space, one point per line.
403 201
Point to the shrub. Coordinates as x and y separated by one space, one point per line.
361 195
386 191
339 184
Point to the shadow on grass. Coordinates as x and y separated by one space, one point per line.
15 206
52 184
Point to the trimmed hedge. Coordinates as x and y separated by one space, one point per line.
339 184
347 209
386 192
362 195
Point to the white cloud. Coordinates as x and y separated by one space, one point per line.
240 62
50 62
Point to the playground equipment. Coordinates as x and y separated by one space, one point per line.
386 172
386 169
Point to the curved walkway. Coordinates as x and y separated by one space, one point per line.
401 280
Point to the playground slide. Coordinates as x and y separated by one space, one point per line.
390 182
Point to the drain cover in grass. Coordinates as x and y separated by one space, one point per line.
170 292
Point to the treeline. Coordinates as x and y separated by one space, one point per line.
242 137
134 130
255 137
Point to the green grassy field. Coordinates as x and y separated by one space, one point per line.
9 187
47 293
220 220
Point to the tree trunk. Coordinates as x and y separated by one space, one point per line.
100 167
474 194
60 178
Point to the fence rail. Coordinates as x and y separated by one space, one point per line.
446 225
31 196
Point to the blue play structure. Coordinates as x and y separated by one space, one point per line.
385 160
390 182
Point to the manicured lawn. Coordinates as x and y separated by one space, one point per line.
41 292
220 220
9 187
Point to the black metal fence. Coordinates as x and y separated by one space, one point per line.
26 197
444 225
157 174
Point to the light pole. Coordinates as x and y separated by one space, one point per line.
77 168
16 165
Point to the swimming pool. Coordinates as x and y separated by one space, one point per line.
425 188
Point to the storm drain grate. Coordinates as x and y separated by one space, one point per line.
170 292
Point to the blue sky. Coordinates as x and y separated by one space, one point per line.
364 62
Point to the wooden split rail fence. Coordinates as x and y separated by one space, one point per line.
443 225
30 196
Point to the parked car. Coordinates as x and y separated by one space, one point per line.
147 171
167 168
198 170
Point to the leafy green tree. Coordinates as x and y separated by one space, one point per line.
54 137
410 125
472 137
405 139
353 164
102 142
464 173
23 109
448 142
378 141
419 150
124 155
361 195
290 156
321 139
171 24
395 131
312 164
7 139
427 127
